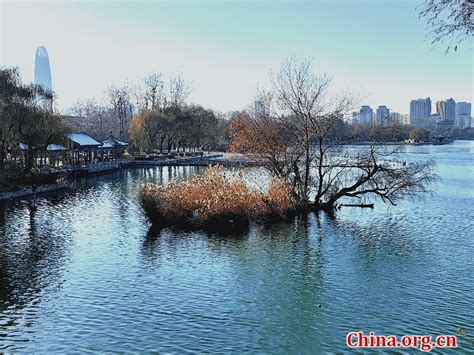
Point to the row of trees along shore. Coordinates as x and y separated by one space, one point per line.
297 133
165 121
154 115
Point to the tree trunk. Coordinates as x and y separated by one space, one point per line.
29 159
320 171
306 177
162 139
2 156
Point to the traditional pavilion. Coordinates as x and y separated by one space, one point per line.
83 148
53 156
113 147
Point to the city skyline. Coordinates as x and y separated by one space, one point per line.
446 113
385 66
419 109
433 105
42 76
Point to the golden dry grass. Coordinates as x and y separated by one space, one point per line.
211 196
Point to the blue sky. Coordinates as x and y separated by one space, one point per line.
226 48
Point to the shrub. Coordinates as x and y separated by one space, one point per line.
214 199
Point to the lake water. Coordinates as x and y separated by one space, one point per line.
83 272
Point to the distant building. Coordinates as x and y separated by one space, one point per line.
42 69
450 110
347 118
463 115
441 109
406 119
445 126
446 110
365 116
435 118
382 116
432 122
396 119
429 123
355 118
43 73
420 111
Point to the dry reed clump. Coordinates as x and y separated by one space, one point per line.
214 198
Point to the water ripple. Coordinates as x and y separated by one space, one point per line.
83 272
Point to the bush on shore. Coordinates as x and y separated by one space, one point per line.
214 200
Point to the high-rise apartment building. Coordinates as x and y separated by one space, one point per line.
420 110
382 116
396 118
463 115
450 110
406 119
441 109
446 110
366 115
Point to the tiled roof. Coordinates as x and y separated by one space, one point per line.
83 139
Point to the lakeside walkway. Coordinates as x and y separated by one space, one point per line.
224 159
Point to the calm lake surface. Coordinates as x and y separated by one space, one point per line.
83 272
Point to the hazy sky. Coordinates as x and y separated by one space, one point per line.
226 48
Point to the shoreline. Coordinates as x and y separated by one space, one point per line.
218 158
212 159
400 143
13 195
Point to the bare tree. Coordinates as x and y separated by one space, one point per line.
178 91
95 118
301 102
150 94
121 107
304 141
450 21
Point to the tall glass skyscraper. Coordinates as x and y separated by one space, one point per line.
43 72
